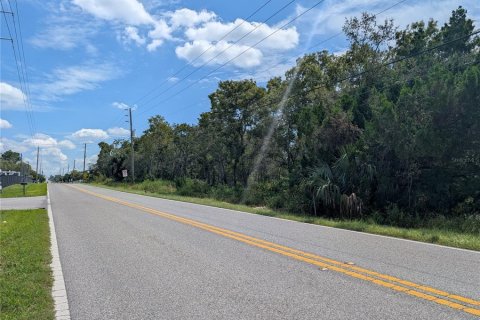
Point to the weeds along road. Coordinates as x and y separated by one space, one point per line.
127 256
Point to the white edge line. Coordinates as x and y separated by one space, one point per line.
304 223
59 292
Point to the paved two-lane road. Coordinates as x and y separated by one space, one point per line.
127 256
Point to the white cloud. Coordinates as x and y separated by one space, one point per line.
118 132
64 35
41 140
11 98
158 35
188 18
120 105
130 12
88 161
55 154
67 144
89 134
262 40
131 34
4 124
281 40
123 105
70 80
246 58
154 44
9 144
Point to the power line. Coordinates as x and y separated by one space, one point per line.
356 75
21 53
241 53
311 47
24 60
334 36
205 51
22 81
226 49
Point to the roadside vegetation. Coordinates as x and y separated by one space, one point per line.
386 133
31 190
441 231
25 275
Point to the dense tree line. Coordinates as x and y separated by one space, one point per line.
346 136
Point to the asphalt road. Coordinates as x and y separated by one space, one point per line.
125 257
23 203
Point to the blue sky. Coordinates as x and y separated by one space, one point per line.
86 60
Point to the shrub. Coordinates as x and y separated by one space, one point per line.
156 186
192 188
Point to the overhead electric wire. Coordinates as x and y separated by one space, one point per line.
311 47
225 50
356 75
21 52
333 36
201 54
241 53
211 46
20 74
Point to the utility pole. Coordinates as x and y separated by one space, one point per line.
36 169
68 167
73 164
84 156
132 151
21 167
22 174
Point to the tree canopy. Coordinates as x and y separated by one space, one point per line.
341 135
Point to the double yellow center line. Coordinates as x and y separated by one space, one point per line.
454 301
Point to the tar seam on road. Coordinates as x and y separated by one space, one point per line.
59 292
413 289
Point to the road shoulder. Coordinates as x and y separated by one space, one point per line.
59 292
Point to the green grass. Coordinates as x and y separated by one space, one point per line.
25 275
31 190
431 235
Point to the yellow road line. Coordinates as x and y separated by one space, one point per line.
337 266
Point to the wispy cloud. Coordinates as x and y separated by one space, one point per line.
65 29
74 79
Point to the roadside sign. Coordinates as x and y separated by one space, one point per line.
124 173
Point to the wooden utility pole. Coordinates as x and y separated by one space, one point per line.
36 169
132 151
84 156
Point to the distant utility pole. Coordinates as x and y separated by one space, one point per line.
132 151
36 169
21 168
68 167
84 156
73 164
